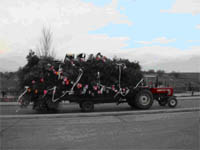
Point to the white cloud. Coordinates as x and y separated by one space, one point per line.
198 26
185 6
100 42
191 41
71 14
165 58
160 40
21 22
163 40
144 42
91 44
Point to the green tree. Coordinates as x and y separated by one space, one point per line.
42 73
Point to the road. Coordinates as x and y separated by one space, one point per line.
74 108
162 131
149 131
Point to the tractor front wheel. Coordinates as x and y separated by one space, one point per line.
172 102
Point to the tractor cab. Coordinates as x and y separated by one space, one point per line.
150 80
157 87
160 92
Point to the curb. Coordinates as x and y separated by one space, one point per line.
188 98
97 114
187 95
8 103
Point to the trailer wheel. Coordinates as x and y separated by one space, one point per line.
87 106
144 99
172 102
40 107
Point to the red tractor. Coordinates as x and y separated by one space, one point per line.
164 95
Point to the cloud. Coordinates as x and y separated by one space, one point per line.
190 64
70 14
149 57
91 44
144 42
185 7
22 19
198 26
3 46
191 41
21 22
97 42
160 40
12 60
165 58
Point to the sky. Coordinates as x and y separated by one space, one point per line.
160 35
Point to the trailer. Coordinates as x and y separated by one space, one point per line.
139 96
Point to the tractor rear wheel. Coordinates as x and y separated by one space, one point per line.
144 99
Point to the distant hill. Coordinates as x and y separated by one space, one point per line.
9 82
191 81
193 77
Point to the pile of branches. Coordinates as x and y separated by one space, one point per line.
48 81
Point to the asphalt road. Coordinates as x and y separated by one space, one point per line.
112 107
159 131
164 131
